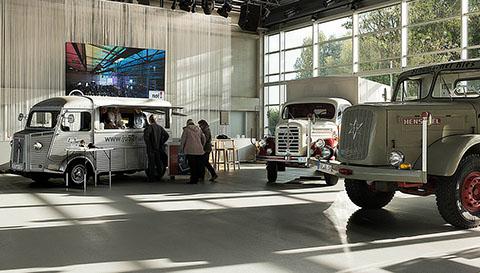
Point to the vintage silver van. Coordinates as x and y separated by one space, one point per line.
53 125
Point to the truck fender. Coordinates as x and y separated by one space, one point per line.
65 164
445 154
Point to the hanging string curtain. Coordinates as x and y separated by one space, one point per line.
32 52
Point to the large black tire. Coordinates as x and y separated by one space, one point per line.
458 196
363 196
272 171
76 171
331 180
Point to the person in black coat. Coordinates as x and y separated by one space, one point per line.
207 148
155 138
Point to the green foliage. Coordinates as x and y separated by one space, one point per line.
273 115
304 64
380 39
335 56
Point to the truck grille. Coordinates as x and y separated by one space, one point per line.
288 139
18 150
355 135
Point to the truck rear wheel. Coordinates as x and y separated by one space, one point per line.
365 196
331 180
458 197
272 171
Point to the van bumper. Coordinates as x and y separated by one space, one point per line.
370 173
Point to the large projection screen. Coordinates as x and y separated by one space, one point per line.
105 70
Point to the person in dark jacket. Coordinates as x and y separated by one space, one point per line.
155 138
207 148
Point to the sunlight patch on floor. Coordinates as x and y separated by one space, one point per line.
113 267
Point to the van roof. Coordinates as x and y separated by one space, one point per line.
103 101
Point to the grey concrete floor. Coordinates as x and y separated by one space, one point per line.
239 224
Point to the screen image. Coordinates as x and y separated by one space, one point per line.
104 70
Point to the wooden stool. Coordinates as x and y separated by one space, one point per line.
220 155
232 154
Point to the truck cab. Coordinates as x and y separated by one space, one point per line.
426 141
53 125
308 128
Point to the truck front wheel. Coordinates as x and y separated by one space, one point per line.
272 171
365 196
331 180
458 197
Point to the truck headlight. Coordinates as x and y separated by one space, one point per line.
269 151
396 158
320 143
262 143
326 153
37 146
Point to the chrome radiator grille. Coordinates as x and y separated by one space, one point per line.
288 139
18 151
355 135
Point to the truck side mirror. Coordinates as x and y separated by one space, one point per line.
21 116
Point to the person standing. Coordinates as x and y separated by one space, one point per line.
192 142
155 138
207 149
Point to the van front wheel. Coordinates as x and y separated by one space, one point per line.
76 173
458 197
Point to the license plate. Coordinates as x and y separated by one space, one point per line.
324 167
302 160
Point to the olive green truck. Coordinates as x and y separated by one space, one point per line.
426 141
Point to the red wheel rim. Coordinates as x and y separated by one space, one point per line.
470 192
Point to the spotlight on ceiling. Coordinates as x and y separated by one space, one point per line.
225 9
208 6
194 6
185 4
266 13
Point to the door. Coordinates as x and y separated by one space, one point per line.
75 127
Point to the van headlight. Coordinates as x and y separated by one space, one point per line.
320 143
396 158
37 146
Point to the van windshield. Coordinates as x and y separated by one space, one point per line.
42 119
304 110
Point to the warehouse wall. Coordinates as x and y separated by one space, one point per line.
32 52
203 54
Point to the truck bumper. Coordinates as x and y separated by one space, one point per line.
290 161
370 173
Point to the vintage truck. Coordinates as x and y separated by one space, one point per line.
426 141
310 120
